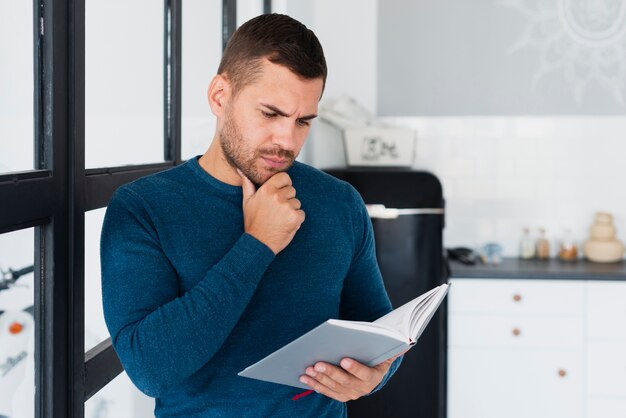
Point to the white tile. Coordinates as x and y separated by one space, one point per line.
506 148
473 188
528 168
486 168
458 167
515 188
534 127
505 166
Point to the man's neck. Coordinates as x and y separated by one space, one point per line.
214 162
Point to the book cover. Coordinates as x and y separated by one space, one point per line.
369 343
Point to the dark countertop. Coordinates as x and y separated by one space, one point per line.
515 268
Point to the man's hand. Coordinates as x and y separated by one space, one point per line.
271 214
348 382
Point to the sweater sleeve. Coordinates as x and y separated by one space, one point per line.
160 336
364 297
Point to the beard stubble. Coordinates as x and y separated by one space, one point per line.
240 157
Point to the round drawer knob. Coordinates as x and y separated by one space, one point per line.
516 332
562 373
517 297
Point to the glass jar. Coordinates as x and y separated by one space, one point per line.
543 245
568 250
526 245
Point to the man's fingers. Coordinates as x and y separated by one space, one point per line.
271 214
247 186
323 389
330 375
279 180
349 381
356 369
295 203
287 192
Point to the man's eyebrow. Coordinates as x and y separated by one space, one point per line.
285 114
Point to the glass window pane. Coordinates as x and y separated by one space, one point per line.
123 82
119 399
202 50
95 327
17 327
16 86
247 9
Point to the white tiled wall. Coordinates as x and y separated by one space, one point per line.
501 174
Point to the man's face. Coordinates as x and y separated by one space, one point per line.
264 127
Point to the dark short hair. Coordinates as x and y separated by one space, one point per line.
280 39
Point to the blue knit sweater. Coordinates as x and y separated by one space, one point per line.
190 299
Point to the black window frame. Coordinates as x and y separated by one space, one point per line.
54 197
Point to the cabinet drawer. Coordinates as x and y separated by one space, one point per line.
514 331
514 384
516 296
606 310
606 368
606 408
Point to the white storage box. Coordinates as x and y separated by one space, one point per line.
379 146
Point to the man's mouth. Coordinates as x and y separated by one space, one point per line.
275 162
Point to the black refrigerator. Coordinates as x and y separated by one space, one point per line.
408 221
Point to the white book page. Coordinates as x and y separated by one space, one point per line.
425 311
400 318
372 327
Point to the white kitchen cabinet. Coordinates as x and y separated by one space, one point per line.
606 349
501 383
515 332
536 348
606 408
606 368
606 310
473 296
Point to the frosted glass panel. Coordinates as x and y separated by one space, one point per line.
124 56
247 9
95 327
119 399
16 86
17 325
202 50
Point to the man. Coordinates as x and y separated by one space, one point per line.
212 265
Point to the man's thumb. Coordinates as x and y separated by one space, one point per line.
247 186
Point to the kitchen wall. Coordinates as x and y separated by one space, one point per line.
502 170
501 174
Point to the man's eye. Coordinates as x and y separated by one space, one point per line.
302 122
268 115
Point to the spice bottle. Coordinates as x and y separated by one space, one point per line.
568 250
543 245
526 245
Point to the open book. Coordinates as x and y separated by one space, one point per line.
370 343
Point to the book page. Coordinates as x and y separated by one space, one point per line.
372 327
400 318
425 311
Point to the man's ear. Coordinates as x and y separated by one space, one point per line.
219 94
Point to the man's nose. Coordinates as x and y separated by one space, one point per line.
284 134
